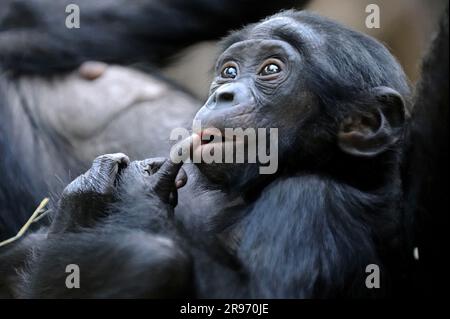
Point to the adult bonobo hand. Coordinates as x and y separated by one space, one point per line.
111 179
116 208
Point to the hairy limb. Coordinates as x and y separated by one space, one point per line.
133 252
129 194
86 198
112 264
147 195
13 261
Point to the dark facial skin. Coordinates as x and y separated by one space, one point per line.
263 69
257 83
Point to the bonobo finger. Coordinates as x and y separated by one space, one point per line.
100 178
181 178
105 168
167 172
173 198
115 157
153 164
110 162
165 179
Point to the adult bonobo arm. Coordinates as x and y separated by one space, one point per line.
114 223
151 30
426 167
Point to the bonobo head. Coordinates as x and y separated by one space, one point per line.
333 94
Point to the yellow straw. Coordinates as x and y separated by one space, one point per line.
25 227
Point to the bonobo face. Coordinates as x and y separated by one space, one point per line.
258 85
329 91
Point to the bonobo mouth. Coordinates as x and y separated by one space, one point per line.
210 142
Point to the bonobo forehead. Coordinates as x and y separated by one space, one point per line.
299 33
258 49
287 29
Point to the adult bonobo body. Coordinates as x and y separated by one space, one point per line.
337 98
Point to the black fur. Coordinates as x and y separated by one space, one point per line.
308 231
115 31
426 164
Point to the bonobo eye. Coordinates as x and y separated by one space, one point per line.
271 67
229 71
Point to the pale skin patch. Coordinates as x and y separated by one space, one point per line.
92 70
80 108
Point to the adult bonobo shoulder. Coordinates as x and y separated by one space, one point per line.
329 210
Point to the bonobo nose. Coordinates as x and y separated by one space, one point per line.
225 97
229 95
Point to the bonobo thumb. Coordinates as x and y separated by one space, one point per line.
165 178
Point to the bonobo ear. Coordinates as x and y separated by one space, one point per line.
374 130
